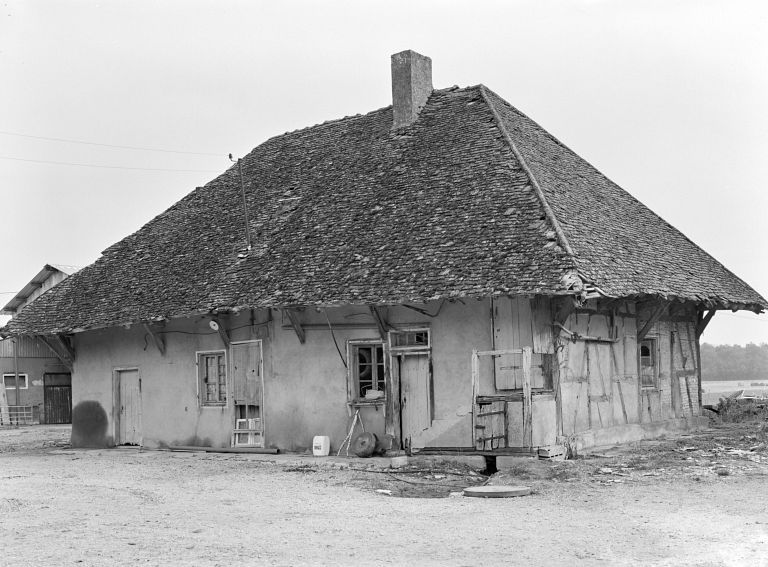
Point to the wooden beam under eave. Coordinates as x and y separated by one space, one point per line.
293 317
703 322
156 339
64 360
223 334
652 321
65 345
381 322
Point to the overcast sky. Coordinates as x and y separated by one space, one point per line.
667 98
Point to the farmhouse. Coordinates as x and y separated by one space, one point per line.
36 386
443 267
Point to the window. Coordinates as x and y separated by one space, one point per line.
416 339
10 381
367 370
212 373
648 363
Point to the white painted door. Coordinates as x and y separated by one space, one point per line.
129 416
415 398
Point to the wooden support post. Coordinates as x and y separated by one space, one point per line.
156 339
558 393
703 321
5 415
652 321
381 322
475 378
64 360
527 398
293 317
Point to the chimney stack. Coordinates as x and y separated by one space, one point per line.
411 86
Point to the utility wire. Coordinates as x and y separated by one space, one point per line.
112 166
139 148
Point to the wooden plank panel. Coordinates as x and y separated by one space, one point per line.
542 325
506 375
544 431
523 318
515 424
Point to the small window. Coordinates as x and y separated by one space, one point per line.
648 363
367 370
212 373
10 381
409 339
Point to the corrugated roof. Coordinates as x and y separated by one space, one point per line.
34 284
473 199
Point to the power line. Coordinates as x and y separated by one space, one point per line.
112 166
140 148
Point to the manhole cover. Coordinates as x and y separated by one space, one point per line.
497 491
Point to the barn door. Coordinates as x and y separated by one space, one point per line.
57 397
128 427
415 398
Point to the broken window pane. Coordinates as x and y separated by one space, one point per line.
368 369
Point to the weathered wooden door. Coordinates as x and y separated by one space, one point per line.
57 397
248 394
415 398
129 408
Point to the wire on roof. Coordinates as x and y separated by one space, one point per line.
112 166
139 148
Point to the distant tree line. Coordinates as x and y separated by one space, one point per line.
734 362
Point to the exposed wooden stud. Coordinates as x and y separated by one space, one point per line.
703 321
527 399
293 317
381 322
652 321
156 339
621 398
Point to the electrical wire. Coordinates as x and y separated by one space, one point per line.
138 148
112 166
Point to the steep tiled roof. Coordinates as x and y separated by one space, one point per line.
472 199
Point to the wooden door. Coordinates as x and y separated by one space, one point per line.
57 397
415 398
129 408
248 394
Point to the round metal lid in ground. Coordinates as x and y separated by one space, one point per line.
497 491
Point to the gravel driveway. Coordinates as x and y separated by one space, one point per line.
128 507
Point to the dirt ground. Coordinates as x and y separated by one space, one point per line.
697 499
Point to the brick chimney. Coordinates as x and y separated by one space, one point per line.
411 86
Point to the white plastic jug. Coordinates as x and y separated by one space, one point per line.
321 445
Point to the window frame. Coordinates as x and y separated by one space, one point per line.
405 348
202 391
13 375
353 377
654 355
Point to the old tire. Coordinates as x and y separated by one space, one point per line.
364 444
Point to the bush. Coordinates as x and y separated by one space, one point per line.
736 410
